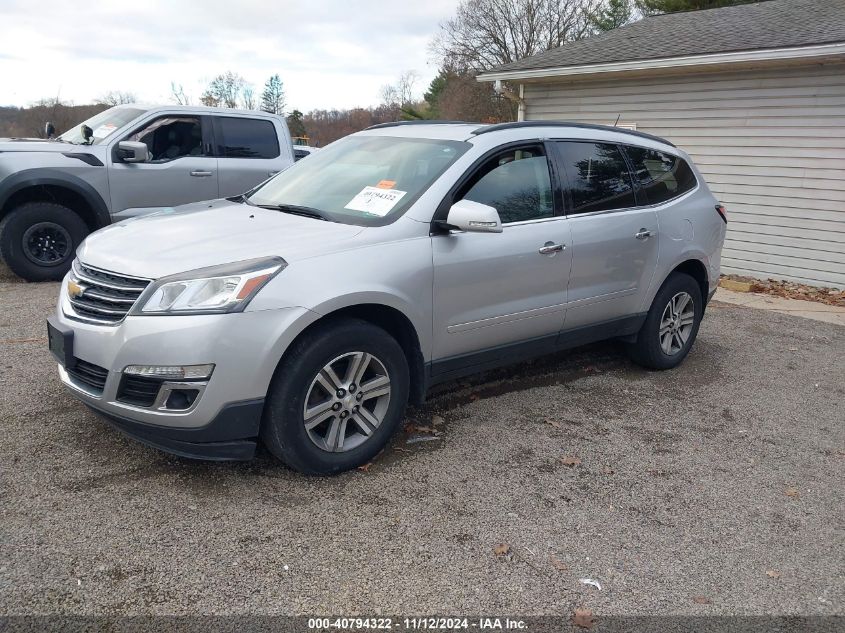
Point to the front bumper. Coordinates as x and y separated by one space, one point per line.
224 421
231 435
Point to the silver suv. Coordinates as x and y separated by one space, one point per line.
309 311
117 164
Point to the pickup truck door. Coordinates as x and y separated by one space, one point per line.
249 151
181 168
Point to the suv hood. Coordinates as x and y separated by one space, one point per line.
206 234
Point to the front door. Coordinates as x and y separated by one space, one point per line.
614 242
180 168
492 290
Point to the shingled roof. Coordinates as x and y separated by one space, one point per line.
774 24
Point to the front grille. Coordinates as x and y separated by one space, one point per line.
90 375
106 297
140 391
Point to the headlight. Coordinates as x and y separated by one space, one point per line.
227 288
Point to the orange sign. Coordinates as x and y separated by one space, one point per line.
386 184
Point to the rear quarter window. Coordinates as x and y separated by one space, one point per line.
246 138
660 176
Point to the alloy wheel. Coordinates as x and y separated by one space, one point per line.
676 323
346 402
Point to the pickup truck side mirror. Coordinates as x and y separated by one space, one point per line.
132 152
474 217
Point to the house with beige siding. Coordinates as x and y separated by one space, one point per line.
754 93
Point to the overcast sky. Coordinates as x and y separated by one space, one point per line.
329 53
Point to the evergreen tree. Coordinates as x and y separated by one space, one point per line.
612 14
273 97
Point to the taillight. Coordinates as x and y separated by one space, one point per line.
723 212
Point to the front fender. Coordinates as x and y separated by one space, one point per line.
50 176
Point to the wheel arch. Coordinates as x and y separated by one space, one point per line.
696 269
389 318
51 185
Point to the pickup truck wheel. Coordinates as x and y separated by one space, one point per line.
337 398
671 326
38 240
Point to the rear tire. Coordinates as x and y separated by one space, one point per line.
38 240
317 419
671 326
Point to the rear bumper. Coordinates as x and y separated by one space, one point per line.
231 436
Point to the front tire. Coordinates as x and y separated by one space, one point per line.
671 326
337 398
38 240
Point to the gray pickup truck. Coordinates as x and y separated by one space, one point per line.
121 163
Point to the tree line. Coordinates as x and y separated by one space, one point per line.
482 34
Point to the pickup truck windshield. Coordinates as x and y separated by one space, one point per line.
101 126
360 179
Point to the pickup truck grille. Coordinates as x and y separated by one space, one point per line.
106 297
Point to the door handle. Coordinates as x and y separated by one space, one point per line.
198 173
644 234
550 248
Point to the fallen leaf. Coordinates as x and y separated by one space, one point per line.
502 549
773 573
557 563
570 461
365 468
791 492
701 600
474 397
583 618
436 420
553 423
590 369
607 470
403 450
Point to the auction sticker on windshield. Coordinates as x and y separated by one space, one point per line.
375 200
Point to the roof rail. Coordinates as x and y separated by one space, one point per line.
418 122
588 126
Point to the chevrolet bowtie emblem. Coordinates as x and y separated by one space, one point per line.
74 289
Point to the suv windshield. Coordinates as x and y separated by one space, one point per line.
99 127
360 179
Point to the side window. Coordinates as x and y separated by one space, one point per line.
598 176
661 176
247 138
516 183
171 137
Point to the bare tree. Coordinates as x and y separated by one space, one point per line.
402 92
248 97
487 33
178 94
224 90
116 97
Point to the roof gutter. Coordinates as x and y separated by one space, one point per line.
772 54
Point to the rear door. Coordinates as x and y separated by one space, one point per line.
181 168
492 290
248 152
614 241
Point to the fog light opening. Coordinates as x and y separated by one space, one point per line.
181 399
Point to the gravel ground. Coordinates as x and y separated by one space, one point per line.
716 488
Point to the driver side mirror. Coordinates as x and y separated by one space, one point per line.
132 152
474 217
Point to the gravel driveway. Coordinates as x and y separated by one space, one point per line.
716 488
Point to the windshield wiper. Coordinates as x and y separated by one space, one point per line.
242 199
295 209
